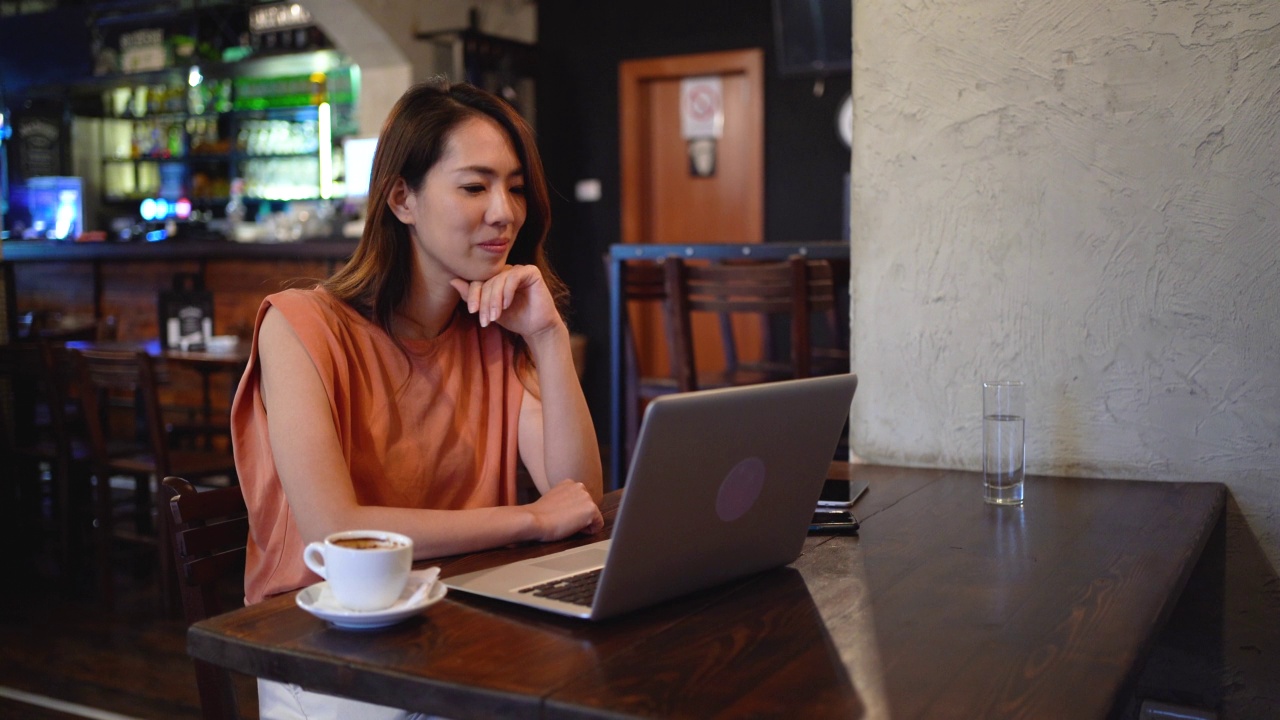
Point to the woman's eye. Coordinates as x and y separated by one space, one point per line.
517 190
473 189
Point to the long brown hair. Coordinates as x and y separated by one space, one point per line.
376 279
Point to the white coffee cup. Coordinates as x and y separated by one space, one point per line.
366 569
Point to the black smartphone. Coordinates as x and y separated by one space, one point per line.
836 494
839 494
833 521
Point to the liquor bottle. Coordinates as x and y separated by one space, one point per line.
236 208
319 88
175 140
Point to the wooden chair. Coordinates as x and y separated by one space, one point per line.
794 290
208 532
135 444
828 346
36 430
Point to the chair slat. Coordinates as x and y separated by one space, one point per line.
213 537
208 570
739 305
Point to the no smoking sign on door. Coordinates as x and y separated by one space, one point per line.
701 107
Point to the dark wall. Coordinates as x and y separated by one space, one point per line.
580 44
41 52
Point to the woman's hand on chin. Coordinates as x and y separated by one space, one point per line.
516 298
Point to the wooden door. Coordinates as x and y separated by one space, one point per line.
664 200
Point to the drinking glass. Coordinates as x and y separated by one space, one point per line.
1003 441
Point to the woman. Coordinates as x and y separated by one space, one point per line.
398 394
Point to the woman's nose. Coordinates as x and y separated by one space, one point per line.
502 210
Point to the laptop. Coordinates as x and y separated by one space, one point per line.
722 484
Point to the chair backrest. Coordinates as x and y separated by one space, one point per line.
113 375
795 288
208 532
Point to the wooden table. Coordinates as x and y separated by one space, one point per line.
944 607
234 356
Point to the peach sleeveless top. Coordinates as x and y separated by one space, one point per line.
434 431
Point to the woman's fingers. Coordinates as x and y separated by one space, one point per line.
497 294
490 299
484 298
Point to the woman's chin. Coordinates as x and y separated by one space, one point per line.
480 273
476 277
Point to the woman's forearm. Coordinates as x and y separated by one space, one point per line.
569 447
438 533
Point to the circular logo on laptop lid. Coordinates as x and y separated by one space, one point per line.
740 489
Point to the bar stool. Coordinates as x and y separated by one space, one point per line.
135 444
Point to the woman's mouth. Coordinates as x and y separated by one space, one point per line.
496 247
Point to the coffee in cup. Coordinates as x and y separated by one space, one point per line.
366 569
365 542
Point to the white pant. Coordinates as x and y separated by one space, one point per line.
282 701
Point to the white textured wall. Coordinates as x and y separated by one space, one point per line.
1083 194
381 36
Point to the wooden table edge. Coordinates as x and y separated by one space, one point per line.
1190 559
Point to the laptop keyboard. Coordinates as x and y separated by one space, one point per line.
577 589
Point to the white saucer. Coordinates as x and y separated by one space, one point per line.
319 601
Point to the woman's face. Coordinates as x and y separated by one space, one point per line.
464 218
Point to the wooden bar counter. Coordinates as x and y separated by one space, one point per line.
82 282
123 280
